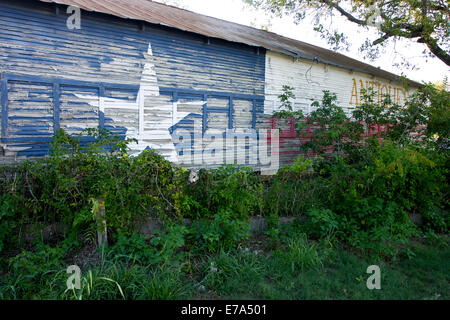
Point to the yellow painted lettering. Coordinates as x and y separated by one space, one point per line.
354 93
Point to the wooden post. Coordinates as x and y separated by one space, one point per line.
102 235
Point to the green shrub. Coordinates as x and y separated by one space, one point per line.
162 248
373 199
362 195
293 190
297 169
8 220
329 122
286 110
221 232
64 186
406 176
436 219
228 188
30 271
323 222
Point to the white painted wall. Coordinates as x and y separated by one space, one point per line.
310 79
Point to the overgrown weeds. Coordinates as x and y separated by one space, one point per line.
354 201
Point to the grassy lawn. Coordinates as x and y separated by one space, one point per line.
293 270
336 275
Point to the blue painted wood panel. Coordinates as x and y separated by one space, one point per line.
58 76
35 40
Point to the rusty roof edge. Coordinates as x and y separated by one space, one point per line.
287 46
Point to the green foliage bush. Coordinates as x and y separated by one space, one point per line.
368 189
162 248
62 187
30 271
436 220
8 220
229 188
407 176
286 108
330 120
223 231
293 190
371 201
322 223
390 184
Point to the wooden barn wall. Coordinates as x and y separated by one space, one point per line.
159 85
140 82
309 80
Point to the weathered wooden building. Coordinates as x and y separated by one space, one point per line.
147 71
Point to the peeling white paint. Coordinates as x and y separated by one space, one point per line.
154 120
310 79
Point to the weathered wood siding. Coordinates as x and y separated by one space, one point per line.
159 85
309 80
142 82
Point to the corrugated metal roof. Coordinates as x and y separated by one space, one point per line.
157 13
